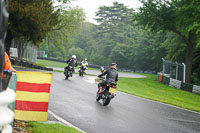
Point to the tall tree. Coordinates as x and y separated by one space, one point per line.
112 22
31 19
179 16
60 37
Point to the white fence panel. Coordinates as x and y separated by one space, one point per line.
175 83
196 89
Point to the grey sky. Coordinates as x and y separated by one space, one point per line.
91 6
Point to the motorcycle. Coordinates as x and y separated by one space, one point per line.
82 69
108 93
68 72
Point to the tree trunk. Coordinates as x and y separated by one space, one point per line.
8 42
189 59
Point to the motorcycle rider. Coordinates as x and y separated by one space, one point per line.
111 76
85 63
71 62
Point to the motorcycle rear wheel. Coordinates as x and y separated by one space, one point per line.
107 99
66 74
81 73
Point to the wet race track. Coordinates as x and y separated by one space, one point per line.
74 101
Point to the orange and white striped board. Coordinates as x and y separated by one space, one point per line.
32 95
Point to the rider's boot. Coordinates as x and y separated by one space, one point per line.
100 89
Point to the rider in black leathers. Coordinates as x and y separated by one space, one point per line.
111 76
71 62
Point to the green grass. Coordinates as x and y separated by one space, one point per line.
150 88
37 127
51 63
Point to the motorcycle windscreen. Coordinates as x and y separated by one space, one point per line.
112 90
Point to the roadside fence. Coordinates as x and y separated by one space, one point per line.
178 84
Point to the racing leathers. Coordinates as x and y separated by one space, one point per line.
111 77
84 64
71 62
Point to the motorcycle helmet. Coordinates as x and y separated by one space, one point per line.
74 56
85 59
102 69
113 65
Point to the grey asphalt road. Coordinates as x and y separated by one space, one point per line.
74 101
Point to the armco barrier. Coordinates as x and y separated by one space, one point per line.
196 89
7 98
165 80
186 87
175 83
178 84
28 64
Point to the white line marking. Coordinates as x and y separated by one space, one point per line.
64 121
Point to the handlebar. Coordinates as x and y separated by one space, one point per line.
102 77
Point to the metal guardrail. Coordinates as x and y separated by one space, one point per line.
178 84
28 64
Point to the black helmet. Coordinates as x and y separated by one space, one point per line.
113 65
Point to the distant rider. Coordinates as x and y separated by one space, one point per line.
111 76
71 62
85 63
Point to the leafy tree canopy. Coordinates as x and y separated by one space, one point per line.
32 19
179 16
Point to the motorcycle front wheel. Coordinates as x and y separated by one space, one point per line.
98 96
66 74
81 73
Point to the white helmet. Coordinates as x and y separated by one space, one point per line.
74 56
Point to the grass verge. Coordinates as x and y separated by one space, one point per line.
37 127
51 63
150 88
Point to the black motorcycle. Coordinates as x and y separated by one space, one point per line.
108 93
68 72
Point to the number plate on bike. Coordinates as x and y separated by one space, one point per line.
112 90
